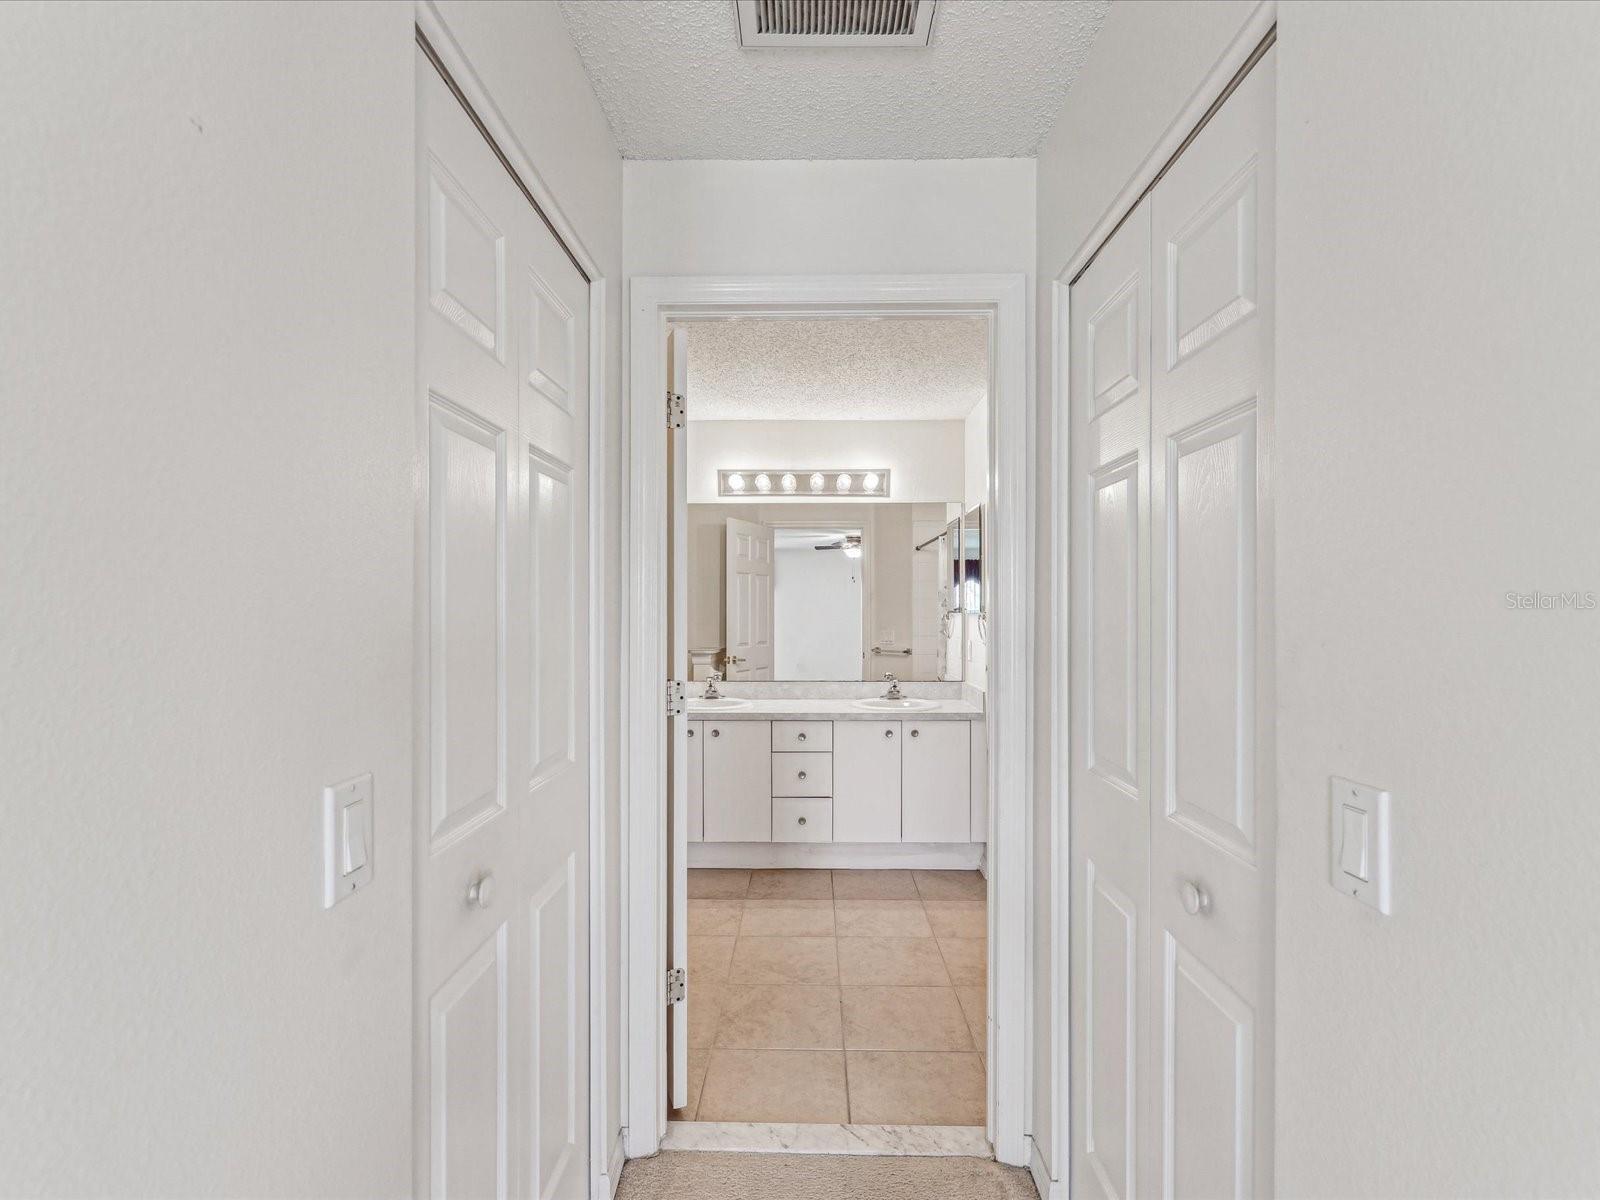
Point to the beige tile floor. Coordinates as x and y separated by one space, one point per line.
836 996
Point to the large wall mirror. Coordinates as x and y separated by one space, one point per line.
855 591
836 473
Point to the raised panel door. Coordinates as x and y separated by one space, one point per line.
1212 833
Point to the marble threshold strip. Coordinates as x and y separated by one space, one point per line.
767 1137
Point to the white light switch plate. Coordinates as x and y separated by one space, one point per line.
346 838
1359 844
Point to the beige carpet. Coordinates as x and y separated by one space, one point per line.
708 1175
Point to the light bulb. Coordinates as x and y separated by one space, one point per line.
763 482
869 482
736 483
817 481
787 482
844 483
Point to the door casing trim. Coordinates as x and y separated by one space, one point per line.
1003 300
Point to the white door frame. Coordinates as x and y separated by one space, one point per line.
605 1159
1185 124
1003 300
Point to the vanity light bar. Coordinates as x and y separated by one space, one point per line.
803 483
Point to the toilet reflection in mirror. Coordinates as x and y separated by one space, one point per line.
836 477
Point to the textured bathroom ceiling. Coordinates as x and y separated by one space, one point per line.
675 83
894 369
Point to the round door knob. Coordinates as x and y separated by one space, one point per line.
802 737
916 733
716 733
1196 900
888 733
802 820
480 892
802 774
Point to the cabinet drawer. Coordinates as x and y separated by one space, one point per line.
802 820
802 735
802 774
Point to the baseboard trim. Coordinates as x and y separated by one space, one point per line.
1049 1189
841 856
612 1178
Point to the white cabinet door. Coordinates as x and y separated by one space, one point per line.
697 781
935 787
738 781
980 781
866 781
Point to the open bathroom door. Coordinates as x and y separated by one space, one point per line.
678 981
749 601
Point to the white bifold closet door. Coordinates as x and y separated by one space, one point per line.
502 790
1172 811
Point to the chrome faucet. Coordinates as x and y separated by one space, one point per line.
711 686
894 692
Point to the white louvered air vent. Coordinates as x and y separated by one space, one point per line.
837 23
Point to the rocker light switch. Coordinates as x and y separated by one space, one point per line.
1353 851
1359 837
346 838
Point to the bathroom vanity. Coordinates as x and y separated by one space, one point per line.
880 777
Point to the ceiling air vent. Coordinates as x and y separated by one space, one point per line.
841 24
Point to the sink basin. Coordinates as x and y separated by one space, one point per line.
724 704
909 704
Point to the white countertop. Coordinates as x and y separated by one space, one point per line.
802 708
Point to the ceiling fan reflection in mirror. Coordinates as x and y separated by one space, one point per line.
850 543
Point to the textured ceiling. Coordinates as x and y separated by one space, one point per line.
844 369
675 83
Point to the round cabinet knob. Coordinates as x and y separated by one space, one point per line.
1196 900
691 733
716 733
802 774
916 733
480 892
888 733
802 820
802 737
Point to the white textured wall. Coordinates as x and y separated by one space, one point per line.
1435 376
856 217
1437 430
206 516
1147 61
206 521
924 457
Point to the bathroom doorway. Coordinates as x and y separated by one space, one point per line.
829 924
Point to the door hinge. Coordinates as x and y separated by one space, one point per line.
677 985
674 698
677 413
